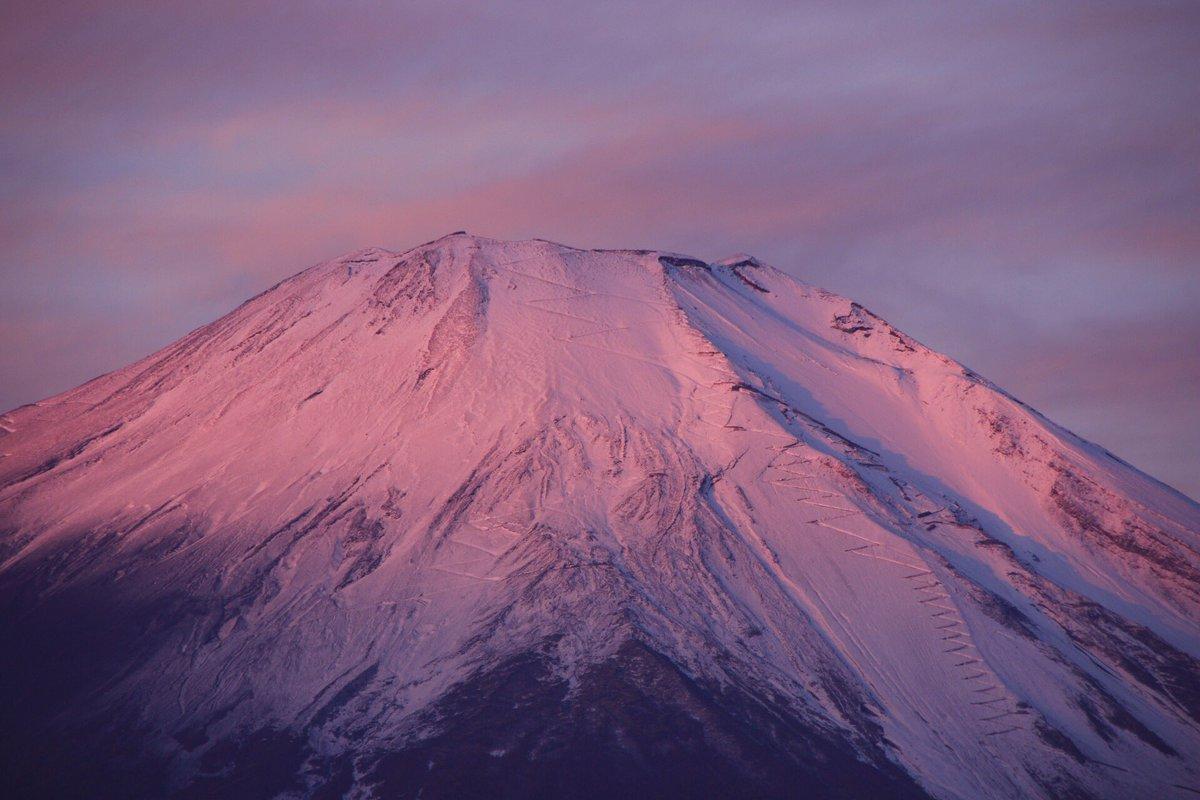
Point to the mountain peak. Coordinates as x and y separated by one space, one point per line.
703 526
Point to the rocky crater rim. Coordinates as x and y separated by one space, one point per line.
738 259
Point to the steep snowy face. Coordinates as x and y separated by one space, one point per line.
515 519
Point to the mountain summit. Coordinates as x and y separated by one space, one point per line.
513 519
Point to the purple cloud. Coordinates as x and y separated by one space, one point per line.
1017 186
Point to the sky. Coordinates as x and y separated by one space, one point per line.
1016 184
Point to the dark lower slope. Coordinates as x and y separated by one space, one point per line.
57 658
633 726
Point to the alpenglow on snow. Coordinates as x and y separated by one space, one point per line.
513 519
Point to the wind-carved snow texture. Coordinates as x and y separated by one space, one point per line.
514 519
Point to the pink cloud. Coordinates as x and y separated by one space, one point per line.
1001 181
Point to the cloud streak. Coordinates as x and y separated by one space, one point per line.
1017 186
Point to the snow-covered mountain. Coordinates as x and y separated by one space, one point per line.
512 519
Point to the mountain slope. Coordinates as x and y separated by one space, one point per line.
514 518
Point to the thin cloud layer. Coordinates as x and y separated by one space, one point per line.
1016 186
